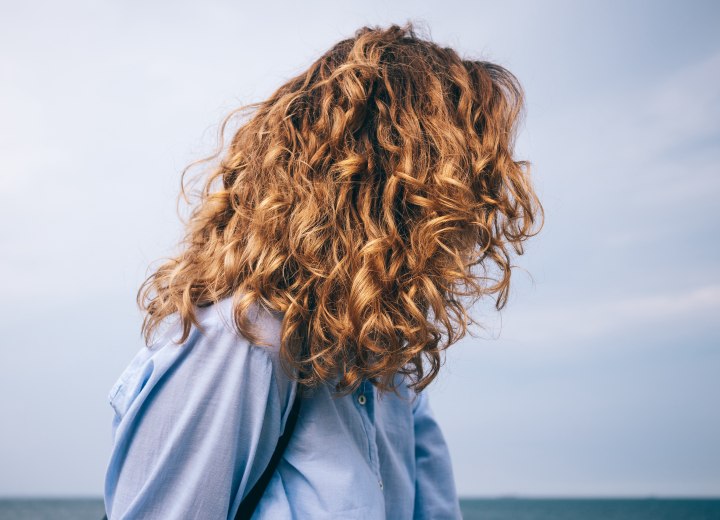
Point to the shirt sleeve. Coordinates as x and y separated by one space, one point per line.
195 426
435 493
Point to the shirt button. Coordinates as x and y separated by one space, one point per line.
362 399
381 484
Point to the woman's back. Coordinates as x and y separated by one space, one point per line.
196 424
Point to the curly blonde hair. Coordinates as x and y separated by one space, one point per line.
355 201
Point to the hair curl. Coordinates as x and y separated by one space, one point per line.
356 200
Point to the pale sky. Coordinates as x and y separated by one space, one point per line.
600 377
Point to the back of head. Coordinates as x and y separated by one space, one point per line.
366 200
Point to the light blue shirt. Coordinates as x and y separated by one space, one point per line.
196 424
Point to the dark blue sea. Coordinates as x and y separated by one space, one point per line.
475 509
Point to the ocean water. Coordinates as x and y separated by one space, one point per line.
591 509
476 509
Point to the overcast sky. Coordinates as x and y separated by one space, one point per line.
600 377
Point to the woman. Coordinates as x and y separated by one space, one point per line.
329 251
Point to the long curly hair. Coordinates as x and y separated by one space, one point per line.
359 201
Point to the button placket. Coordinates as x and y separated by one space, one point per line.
366 400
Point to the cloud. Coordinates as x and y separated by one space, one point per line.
662 306
566 324
686 106
641 139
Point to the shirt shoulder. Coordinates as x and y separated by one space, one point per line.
197 422
206 357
